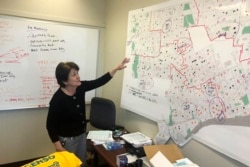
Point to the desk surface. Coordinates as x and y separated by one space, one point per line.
109 155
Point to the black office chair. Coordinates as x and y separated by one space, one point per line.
102 113
102 116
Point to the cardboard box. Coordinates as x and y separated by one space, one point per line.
170 151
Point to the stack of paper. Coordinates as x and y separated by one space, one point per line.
137 139
100 136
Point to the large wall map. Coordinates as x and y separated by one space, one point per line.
190 64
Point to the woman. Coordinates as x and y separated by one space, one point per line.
66 120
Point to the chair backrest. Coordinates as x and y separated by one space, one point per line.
102 113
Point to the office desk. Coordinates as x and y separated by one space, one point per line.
109 155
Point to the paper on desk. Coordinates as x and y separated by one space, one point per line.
100 135
135 137
159 159
98 142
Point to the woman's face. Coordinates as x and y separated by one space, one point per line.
73 79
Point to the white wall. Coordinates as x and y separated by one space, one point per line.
22 132
115 45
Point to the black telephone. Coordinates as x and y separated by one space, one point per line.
139 152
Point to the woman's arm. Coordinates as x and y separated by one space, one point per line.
93 84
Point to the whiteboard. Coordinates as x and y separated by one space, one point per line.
29 52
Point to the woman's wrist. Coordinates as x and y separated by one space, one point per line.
112 72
